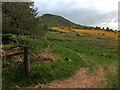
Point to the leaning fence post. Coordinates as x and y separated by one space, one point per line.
26 61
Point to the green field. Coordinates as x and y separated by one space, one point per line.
73 51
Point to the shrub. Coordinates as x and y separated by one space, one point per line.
12 38
103 34
7 38
77 34
24 40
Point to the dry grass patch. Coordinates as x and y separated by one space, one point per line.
46 56
111 35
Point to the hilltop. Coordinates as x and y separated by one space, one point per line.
55 20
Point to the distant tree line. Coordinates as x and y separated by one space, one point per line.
91 28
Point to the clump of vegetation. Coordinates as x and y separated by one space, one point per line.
7 38
103 34
77 34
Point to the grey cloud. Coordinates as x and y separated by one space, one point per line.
83 16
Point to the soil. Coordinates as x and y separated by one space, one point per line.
82 79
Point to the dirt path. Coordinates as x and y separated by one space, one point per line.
82 79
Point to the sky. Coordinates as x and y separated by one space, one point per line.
103 13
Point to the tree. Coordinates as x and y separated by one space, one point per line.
45 28
97 28
111 30
103 28
107 28
19 17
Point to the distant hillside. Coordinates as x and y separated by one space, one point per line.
58 21
54 20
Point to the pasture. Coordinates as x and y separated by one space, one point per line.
72 51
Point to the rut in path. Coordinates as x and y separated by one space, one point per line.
77 54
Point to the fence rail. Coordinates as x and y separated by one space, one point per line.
26 59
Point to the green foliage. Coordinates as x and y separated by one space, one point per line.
6 38
45 28
107 28
18 40
19 18
113 80
57 70
77 34
23 40
53 30
97 28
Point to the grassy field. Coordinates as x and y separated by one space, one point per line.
74 51
96 51
110 35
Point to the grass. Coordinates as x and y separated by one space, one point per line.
95 52
110 35
43 73
40 73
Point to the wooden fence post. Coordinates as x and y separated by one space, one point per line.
26 61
